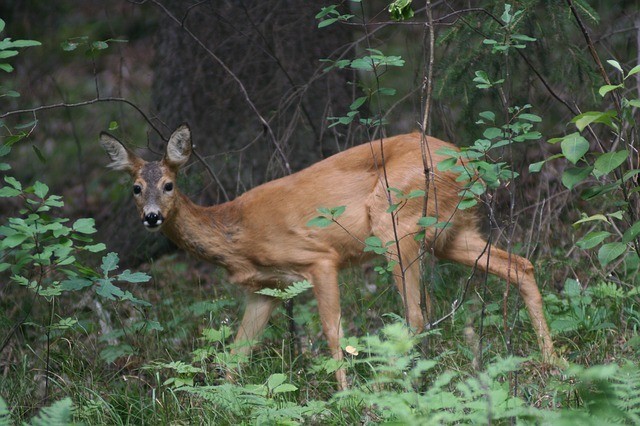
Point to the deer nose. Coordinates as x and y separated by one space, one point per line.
151 220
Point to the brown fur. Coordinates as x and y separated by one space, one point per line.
263 240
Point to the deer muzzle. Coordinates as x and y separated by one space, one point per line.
152 221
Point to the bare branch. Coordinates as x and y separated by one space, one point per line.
81 104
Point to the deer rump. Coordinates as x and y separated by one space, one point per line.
263 239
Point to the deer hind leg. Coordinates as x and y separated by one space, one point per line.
469 248
324 277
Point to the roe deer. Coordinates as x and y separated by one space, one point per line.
263 240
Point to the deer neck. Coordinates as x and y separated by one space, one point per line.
206 232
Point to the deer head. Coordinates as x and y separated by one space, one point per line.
154 189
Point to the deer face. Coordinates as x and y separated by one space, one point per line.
154 189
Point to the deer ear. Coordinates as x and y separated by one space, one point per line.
178 148
121 157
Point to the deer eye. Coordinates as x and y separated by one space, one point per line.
137 189
168 187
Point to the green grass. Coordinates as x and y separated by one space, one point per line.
174 374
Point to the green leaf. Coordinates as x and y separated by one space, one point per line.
212 335
99 45
69 45
573 176
66 261
59 413
336 212
634 102
134 300
616 215
74 284
615 64
95 248
275 380
574 147
288 293
107 290
85 226
607 162
133 277
54 201
328 10
416 193
610 252
488 115
25 43
401 10
285 387
631 233
374 244
592 239
392 208
39 154
530 117
506 15
327 22
446 164
13 182
8 53
40 189
597 190
536 167
467 203
492 133
320 222
583 120
633 71
386 91
14 240
585 218
109 263
608 88
427 221
6 192
358 103
522 37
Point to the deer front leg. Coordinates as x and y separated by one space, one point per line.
327 293
256 315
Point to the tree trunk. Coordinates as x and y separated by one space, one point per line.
273 49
